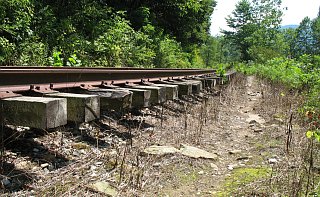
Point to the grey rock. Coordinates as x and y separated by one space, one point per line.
243 158
157 164
230 167
255 119
44 165
257 130
272 161
82 151
51 167
104 187
19 129
75 153
5 182
159 150
214 166
23 165
201 172
93 167
231 152
195 152
46 170
185 150
253 122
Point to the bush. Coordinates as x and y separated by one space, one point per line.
121 45
171 55
31 53
6 51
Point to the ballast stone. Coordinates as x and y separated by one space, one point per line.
81 107
35 112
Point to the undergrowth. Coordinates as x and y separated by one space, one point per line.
289 78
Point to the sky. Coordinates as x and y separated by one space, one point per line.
296 11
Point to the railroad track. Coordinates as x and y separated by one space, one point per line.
49 97
20 78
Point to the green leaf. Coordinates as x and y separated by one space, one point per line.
317 136
309 134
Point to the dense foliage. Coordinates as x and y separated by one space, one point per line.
104 33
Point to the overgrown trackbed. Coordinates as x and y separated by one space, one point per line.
235 124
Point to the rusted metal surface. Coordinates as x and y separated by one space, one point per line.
19 79
39 90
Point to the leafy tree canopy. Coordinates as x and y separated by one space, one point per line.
254 25
186 20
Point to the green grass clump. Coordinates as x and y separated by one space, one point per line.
240 178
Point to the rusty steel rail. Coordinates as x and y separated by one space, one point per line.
18 79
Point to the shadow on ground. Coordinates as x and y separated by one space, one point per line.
12 179
24 144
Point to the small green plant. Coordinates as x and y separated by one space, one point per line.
74 61
56 60
221 71
313 134
314 125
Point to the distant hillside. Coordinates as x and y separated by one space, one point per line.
289 26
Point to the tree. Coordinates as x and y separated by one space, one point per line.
315 26
304 39
241 23
186 20
289 36
15 18
218 50
210 51
254 24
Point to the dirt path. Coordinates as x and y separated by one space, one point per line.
236 132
